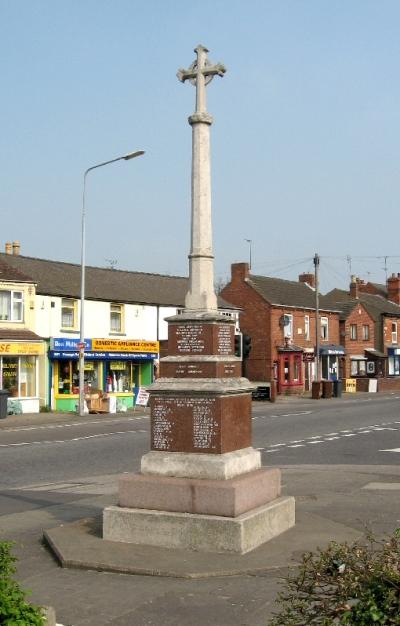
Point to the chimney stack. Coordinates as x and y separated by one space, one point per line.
393 288
239 272
357 286
308 279
16 247
8 248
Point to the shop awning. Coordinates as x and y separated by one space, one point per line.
331 349
376 353
290 348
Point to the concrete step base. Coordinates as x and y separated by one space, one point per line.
203 533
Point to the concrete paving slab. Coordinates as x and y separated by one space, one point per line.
80 545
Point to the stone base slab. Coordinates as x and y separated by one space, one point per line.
204 533
201 465
227 498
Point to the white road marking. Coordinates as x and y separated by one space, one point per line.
312 442
383 486
300 445
45 441
392 450
350 435
331 438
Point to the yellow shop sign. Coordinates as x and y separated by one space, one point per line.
21 348
124 345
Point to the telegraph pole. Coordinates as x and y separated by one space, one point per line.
317 330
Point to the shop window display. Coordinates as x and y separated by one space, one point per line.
120 376
18 376
68 377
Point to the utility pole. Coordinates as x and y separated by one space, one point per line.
317 329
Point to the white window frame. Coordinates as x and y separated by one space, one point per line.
307 327
394 332
116 309
365 332
324 326
16 297
353 335
288 328
68 303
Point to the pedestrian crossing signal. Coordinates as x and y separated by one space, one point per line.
238 345
246 346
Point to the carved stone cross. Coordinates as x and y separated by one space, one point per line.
200 73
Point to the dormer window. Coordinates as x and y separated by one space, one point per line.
11 306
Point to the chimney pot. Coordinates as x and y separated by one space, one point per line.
16 248
240 271
8 248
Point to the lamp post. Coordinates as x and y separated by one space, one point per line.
249 241
125 157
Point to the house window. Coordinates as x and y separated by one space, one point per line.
394 332
353 331
358 368
287 326
307 327
68 313
324 328
365 331
18 376
11 306
116 318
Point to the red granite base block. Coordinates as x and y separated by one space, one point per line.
201 369
212 424
227 498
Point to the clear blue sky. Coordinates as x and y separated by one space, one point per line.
305 140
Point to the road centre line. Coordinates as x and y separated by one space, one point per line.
46 441
70 425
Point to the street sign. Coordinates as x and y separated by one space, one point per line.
142 397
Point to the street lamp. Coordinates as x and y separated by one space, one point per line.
249 241
125 157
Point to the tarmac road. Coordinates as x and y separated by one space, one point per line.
330 453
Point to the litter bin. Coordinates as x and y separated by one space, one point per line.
316 390
327 388
337 388
4 395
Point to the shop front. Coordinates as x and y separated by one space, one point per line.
393 361
290 369
113 366
19 374
331 357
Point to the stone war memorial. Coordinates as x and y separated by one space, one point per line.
201 486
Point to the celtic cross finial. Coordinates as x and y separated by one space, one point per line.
200 73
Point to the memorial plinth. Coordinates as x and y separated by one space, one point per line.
201 485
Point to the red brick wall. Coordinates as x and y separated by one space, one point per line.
388 384
359 317
255 322
262 322
387 331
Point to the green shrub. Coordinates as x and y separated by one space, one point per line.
346 585
15 610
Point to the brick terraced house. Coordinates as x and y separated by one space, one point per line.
279 316
369 329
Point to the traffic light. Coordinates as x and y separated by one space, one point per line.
246 346
238 345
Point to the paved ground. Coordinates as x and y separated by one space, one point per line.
332 502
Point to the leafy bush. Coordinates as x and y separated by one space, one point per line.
14 608
346 585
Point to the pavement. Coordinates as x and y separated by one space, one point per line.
103 583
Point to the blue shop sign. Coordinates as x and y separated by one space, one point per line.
103 356
66 343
